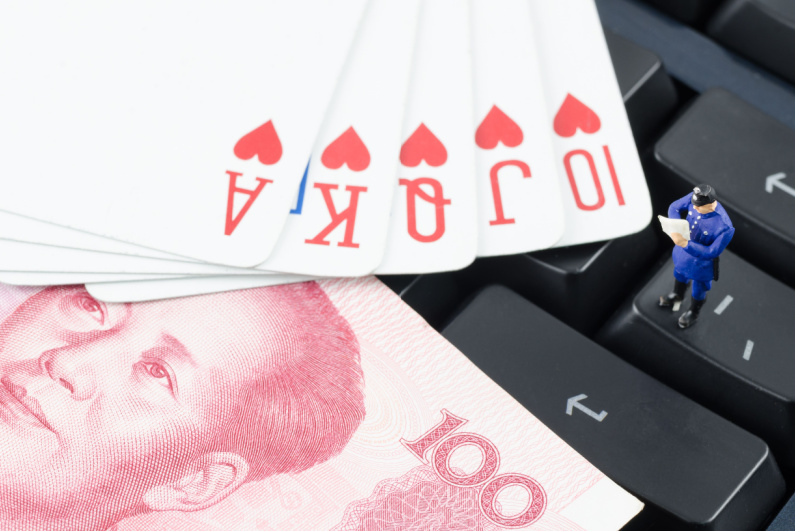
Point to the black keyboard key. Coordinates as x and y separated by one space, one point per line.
436 296
677 456
692 12
737 359
750 160
696 60
649 95
785 519
580 285
397 283
762 30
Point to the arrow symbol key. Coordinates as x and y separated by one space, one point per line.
774 181
747 156
574 401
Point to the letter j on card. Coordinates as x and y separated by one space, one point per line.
519 204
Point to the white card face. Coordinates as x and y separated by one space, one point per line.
26 278
602 184
433 226
181 130
23 256
20 228
343 227
148 290
519 205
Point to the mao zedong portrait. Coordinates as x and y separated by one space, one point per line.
114 410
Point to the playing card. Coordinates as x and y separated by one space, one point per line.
603 188
24 256
184 130
433 226
20 228
519 205
342 230
148 290
32 278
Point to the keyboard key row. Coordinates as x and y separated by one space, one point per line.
761 30
688 464
696 60
736 360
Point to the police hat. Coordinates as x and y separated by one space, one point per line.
703 194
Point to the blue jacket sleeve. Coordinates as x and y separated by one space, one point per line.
679 207
708 252
724 215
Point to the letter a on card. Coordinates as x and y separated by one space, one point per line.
342 230
206 157
519 203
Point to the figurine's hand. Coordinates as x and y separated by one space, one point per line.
678 239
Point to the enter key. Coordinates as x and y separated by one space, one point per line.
749 157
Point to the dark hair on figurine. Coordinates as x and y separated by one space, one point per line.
703 194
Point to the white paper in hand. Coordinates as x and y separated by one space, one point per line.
670 226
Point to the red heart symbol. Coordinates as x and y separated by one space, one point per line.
575 114
349 149
496 127
422 144
262 142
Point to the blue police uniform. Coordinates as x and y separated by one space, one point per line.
709 235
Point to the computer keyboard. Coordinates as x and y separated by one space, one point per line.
698 423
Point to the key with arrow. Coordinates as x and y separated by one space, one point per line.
574 402
774 181
749 157
692 468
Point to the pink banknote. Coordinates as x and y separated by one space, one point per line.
314 406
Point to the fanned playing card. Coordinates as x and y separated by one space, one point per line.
25 229
156 289
602 184
433 226
33 278
184 130
33 257
343 226
519 205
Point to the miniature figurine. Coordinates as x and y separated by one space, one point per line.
697 259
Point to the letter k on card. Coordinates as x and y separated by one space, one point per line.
343 226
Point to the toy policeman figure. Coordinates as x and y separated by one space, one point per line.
697 259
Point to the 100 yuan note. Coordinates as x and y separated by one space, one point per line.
311 406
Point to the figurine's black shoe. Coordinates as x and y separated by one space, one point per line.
689 318
677 295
